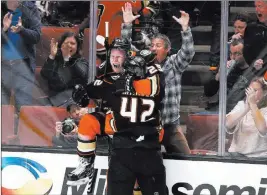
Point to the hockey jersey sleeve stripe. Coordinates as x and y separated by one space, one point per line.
154 85
83 154
86 141
86 147
110 125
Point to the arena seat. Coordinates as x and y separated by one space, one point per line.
43 47
37 124
8 123
202 131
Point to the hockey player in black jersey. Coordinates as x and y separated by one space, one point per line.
135 100
93 124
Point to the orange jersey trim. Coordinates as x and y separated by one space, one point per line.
147 87
143 87
110 126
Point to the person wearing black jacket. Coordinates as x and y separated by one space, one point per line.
239 75
255 39
21 31
64 68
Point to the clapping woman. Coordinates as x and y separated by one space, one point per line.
64 68
248 122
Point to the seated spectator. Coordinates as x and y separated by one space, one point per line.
64 68
238 78
240 24
21 31
248 122
66 130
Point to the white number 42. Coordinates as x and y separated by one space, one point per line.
132 113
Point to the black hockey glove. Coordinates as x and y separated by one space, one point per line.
80 96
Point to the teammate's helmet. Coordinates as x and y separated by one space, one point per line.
122 44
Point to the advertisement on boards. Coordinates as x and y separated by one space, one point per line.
46 173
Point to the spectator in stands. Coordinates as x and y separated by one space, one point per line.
255 39
247 121
238 77
65 135
261 11
173 67
240 24
64 68
21 30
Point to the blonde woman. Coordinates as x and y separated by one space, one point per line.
248 122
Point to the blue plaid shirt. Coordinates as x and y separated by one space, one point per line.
173 67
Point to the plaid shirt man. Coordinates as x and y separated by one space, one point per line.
173 67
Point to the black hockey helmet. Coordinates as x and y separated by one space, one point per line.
122 44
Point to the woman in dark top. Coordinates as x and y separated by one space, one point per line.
64 68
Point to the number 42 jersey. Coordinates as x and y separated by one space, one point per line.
136 116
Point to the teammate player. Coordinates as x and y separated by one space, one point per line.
94 124
135 122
